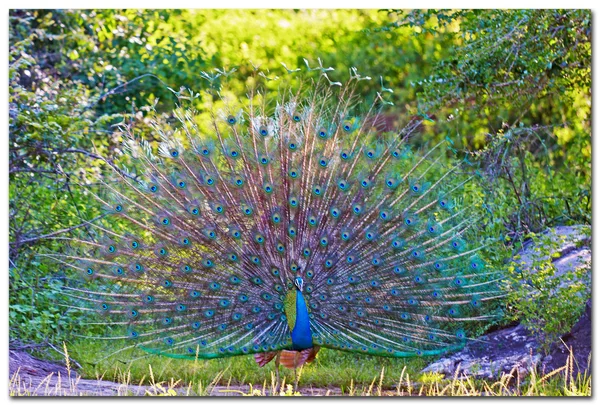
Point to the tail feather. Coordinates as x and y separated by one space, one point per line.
293 359
196 254
262 359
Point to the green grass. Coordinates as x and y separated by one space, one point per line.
331 367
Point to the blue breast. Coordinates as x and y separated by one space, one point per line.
301 336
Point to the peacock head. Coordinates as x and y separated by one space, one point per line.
299 283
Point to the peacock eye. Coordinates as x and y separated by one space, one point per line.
296 118
231 120
263 131
174 153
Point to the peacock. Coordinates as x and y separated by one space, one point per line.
287 220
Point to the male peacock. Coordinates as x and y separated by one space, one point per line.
284 226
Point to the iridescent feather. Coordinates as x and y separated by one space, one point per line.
300 200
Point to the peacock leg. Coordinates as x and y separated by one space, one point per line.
296 361
277 378
295 379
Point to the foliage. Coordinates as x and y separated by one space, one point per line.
534 193
546 301
517 87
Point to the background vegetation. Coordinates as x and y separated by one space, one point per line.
510 87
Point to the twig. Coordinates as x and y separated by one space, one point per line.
95 156
63 354
114 90
49 235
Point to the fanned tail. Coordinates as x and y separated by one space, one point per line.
196 255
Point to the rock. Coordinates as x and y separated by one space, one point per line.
579 339
514 349
571 243
504 351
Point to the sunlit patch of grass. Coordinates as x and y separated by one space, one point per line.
331 368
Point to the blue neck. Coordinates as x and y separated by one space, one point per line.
301 335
